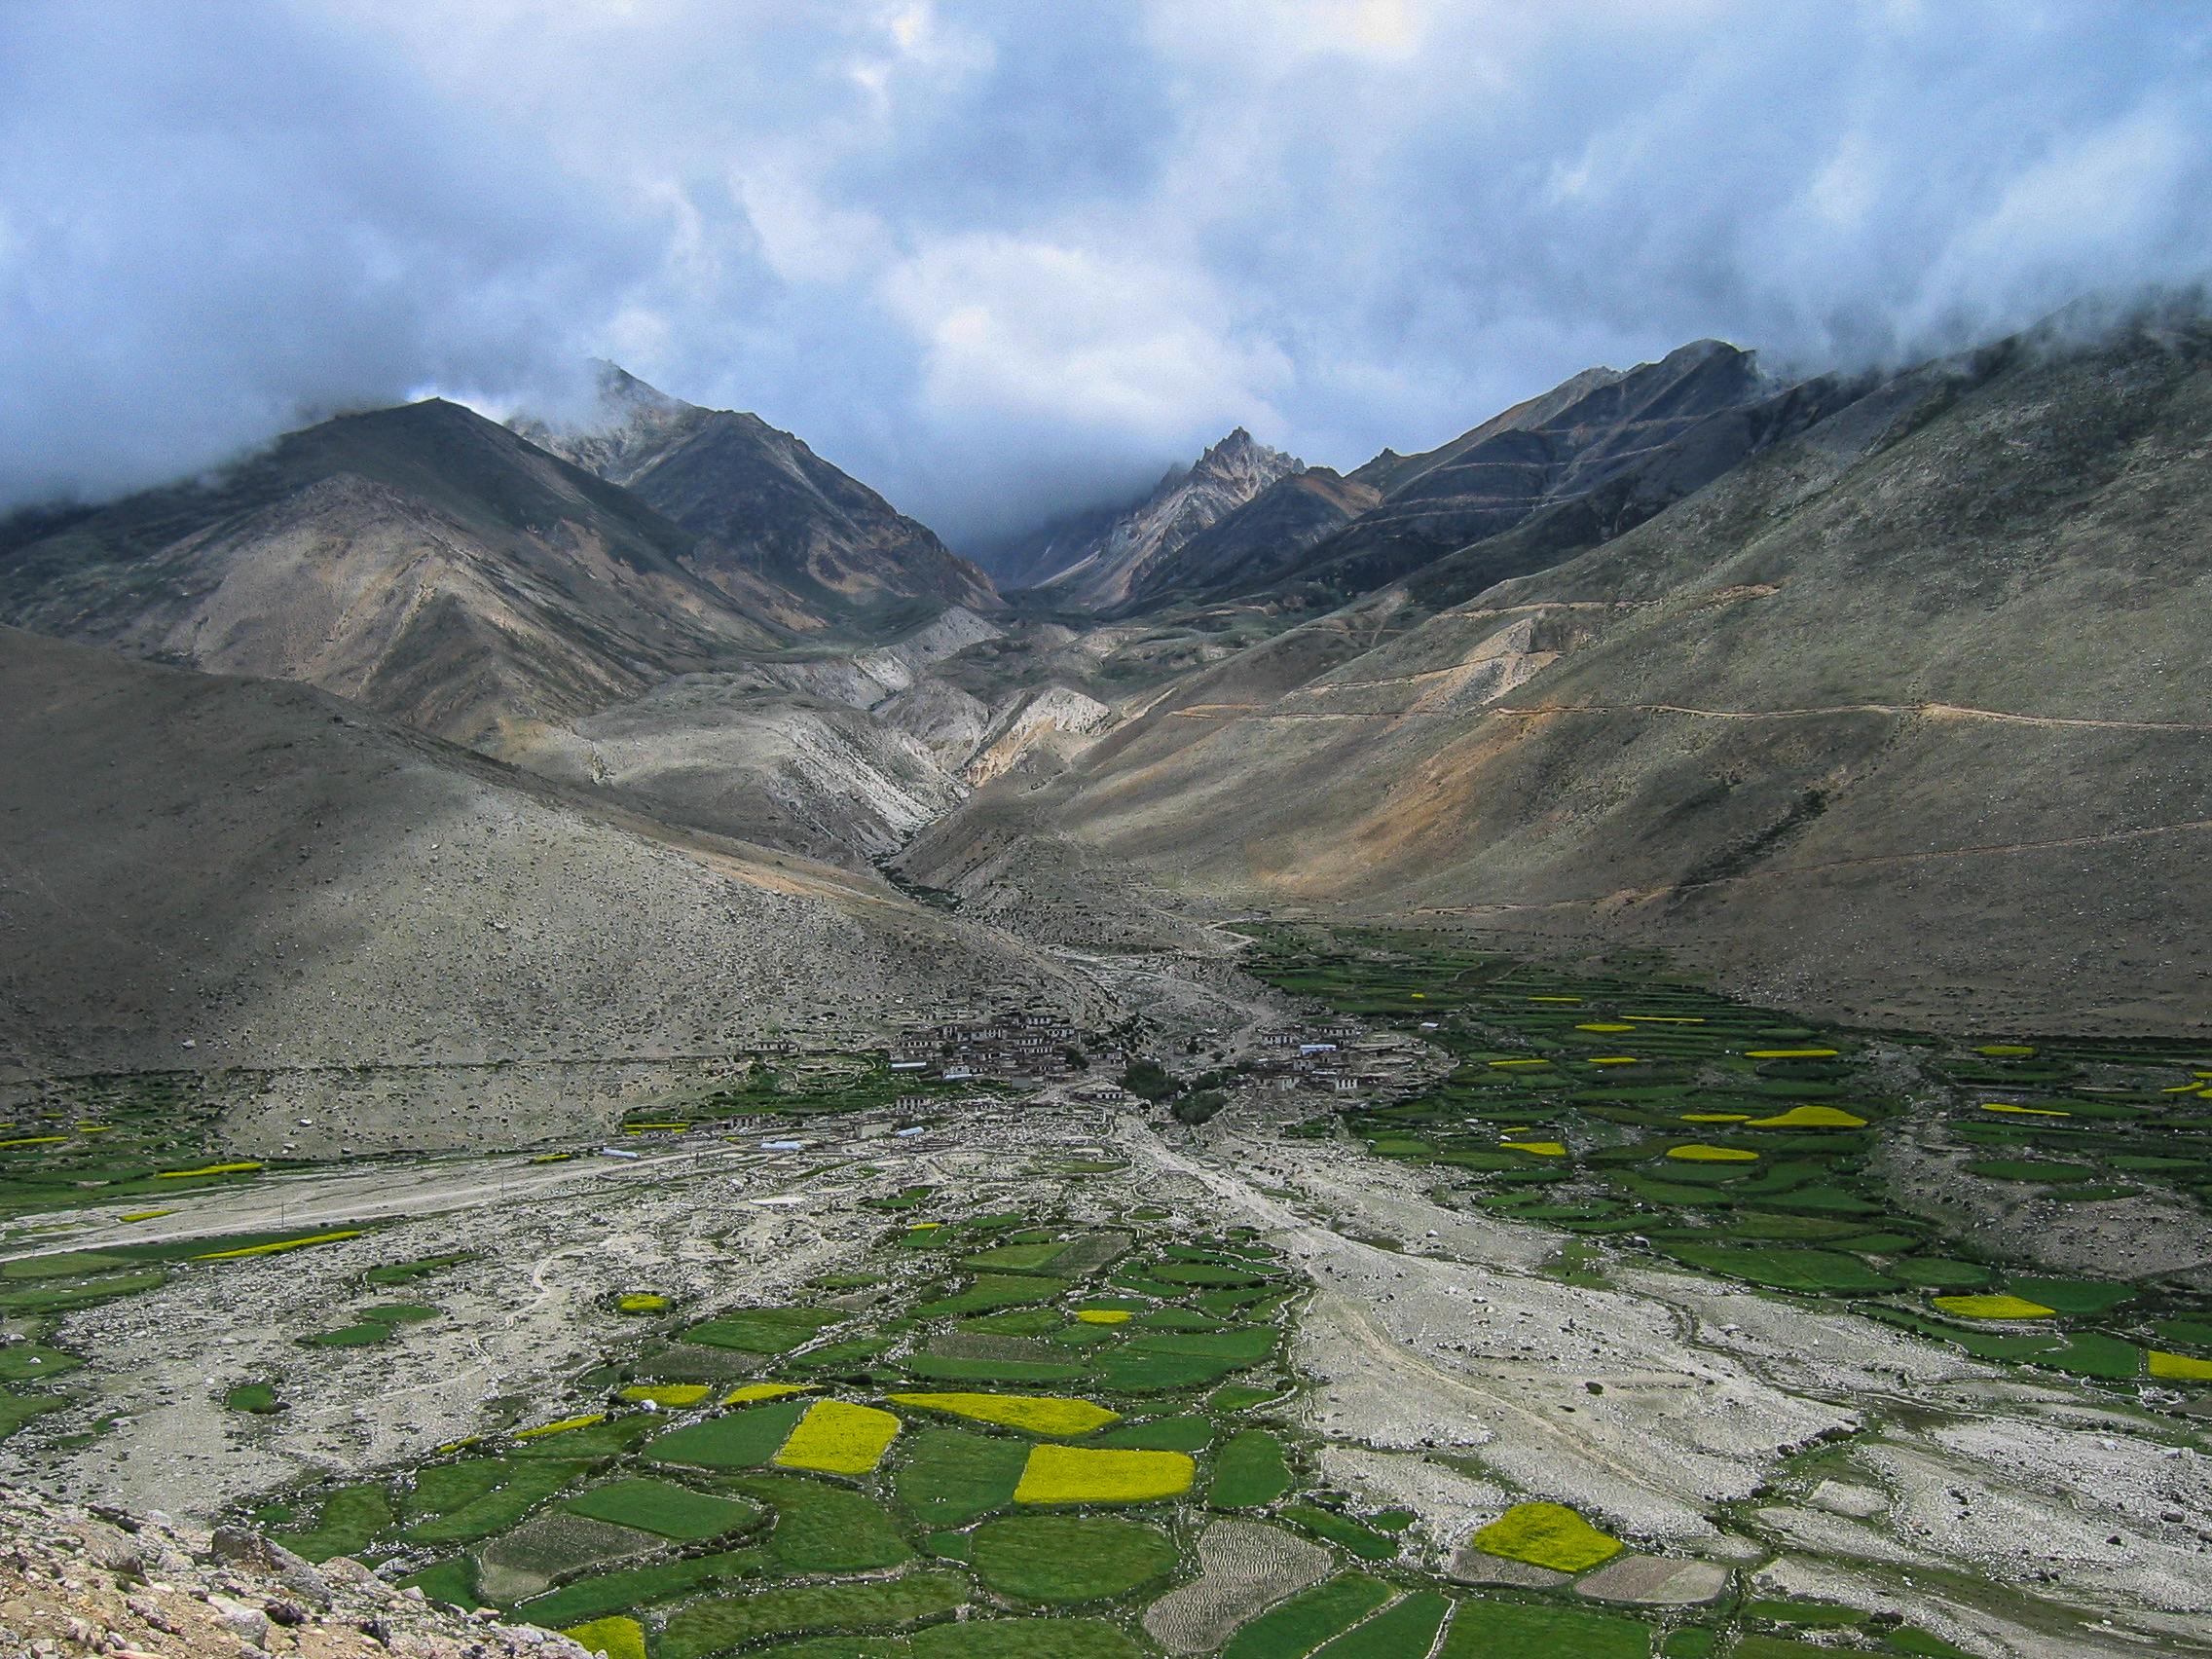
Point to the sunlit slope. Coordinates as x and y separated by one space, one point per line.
203 871
1907 713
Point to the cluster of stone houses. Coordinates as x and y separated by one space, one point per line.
1017 1048
1332 1055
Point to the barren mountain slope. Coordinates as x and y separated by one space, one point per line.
1671 426
422 560
1904 715
765 504
220 872
808 753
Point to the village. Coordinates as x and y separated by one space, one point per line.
1040 1050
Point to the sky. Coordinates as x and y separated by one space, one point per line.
1001 259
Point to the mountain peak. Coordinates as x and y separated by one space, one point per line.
1241 456
620 391
1241 441
1116 561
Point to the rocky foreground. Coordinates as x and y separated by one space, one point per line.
76 1581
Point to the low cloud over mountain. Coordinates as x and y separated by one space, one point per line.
1008 261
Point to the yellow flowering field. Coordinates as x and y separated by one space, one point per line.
1811 1118
667 1394
617 1637
1547 1534
749 1393
1039 1413
839 1438
1993 1307
1079 1474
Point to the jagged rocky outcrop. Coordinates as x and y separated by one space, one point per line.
1109 560
80 1581
763 505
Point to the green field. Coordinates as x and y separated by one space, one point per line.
1023 1639
672 1511
740 1440
1069 1557
1308 1620
950 1476
763 1330
1250 1470
1406 1630
637 1587
348 1518
524 1485
1498 1630
1824 1272
821 1527
724 1622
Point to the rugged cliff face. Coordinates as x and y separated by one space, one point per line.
1103 561
763 505
1903 715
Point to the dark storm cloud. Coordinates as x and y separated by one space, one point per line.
997 258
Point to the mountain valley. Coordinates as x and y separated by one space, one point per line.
1586 1042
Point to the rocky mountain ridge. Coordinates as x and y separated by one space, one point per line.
434 566
764 505
1697 639
422 560
76 1580
1611 445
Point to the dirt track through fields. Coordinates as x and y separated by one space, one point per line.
344 1196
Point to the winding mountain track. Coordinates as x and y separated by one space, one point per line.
1932 711
1548 711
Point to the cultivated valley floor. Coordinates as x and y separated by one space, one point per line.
1587 1313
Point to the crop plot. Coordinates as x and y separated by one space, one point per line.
1069 1557
720 1623
763 1330
821 1527
1069 1474
742 1440
950 1476
670 1511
